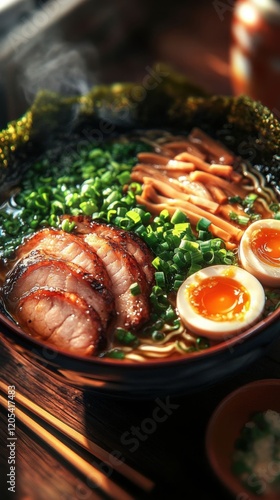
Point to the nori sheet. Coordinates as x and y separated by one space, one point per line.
247 127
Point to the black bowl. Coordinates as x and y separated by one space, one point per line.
225 426
243 125
148 379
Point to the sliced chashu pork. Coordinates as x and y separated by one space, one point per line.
63 320
132 310
65 246
35 271
123 270
37 285
87 271
128 240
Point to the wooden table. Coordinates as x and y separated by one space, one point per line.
170 452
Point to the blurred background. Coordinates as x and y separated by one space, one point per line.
69 45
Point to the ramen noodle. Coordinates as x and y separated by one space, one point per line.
186 196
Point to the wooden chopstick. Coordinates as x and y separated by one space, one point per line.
72 457
103 455
87 469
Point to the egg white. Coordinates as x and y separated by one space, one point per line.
220 330
267 274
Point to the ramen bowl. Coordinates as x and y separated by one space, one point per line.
224 430
55 123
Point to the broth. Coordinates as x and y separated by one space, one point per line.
150 183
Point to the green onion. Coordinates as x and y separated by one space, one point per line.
135 289
274 207
134 216
67 226
157 336
177 283
178 217
240 219
250 198
115 354
203 224
88 207
125 337
160 279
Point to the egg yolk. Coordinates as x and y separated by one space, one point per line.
219 298
265 244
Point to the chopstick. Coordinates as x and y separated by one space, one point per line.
87 469
73 458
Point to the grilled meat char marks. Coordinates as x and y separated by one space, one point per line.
62 319
72 290
128 240
35 271
67 247
122 267
132 310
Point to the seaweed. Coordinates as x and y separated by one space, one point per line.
247 127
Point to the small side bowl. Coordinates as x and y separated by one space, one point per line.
226 424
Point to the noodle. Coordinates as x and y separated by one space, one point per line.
211 177
157 187
198 176
258 184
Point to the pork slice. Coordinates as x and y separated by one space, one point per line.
62 320
37 271
132 310
68 247
130 242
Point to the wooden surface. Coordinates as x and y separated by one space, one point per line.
171 453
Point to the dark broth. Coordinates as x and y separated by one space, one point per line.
95 181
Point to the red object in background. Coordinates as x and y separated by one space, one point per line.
255 51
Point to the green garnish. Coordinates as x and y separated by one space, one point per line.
240 219
115 354
96 182
256 457
248 206
125 337
135 289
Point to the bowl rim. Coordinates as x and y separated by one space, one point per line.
110 95
218 411
230 343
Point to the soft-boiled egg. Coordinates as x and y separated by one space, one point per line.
220 301
259 251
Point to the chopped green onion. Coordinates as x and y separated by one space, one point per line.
274 207
125 337
88 207
160 279
239 219
250 198
203 224
158 336
235 199
135 289
134 216
67 226
115 354
178 217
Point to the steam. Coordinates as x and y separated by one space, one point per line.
59 47
62 67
